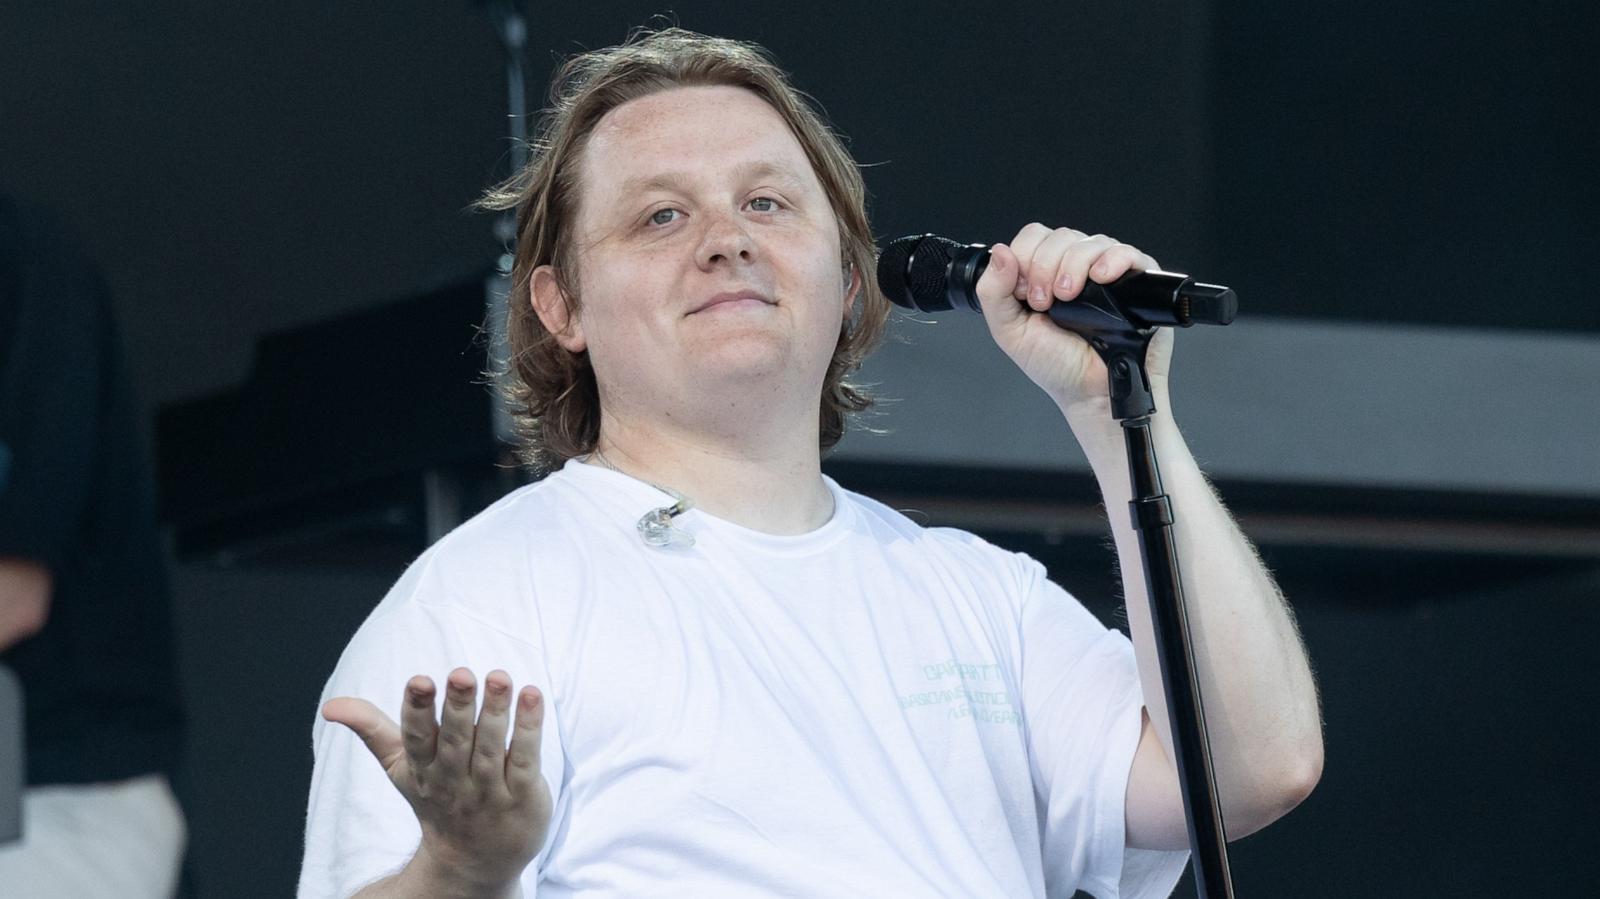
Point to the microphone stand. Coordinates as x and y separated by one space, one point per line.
1123 350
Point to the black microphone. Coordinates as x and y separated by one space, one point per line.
932 274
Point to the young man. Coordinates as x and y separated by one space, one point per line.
794 691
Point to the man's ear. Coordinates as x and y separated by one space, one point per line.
852 288
550 303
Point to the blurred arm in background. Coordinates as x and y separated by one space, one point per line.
24 600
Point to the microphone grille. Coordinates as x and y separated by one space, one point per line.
912 271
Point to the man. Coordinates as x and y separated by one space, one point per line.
85 609
790 690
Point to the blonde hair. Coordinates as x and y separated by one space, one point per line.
553 394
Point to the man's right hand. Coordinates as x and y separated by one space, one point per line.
484 809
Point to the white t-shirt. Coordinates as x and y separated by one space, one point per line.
871 709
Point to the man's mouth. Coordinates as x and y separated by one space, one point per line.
733 299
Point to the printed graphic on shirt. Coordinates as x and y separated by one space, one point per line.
964 690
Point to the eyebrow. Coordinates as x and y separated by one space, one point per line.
679 181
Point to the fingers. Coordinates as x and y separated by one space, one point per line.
456 725
1055 264
418 729
996 285
476 750
1025 245
522 761
489 745
1052 272
376 730
463 745
1117 260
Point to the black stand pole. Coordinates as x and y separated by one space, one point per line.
511 26
1151 513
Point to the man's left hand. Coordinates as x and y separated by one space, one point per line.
1040 266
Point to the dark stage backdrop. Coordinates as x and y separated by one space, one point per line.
241 168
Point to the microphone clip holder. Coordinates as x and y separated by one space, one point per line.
1123 353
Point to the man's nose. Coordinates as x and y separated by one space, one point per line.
726 239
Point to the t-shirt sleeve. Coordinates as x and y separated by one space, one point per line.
358 826
1084 713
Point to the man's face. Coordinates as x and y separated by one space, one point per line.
708 256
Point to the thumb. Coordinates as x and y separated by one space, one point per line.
375 729
996 286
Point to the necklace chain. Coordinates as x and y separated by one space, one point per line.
684 503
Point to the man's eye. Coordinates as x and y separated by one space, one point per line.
771 204
663 216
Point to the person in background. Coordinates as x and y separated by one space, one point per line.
85 606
